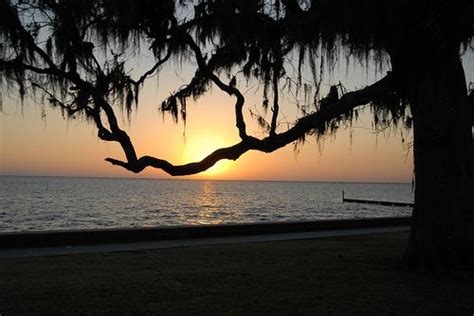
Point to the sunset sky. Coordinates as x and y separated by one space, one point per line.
36 144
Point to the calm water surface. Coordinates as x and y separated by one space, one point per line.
47 203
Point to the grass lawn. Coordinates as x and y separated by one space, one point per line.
349 275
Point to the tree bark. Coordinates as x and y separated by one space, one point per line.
442 232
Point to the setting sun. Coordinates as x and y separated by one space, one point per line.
199 146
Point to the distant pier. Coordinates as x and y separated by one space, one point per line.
385 203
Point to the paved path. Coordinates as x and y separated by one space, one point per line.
146 245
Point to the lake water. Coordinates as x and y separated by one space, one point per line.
48 203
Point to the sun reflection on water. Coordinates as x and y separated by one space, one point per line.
208 205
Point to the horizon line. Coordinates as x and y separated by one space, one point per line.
202 179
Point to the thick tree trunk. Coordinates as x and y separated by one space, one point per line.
442 233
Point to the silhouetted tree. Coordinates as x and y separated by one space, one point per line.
73 53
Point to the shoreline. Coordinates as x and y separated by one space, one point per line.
130 235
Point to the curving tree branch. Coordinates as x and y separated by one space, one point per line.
152 70
228 88
344 105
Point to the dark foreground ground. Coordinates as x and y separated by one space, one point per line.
349 275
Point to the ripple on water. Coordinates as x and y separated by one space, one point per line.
40 203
